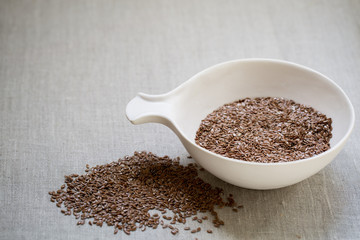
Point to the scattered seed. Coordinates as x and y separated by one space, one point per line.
193 231
174 231
209 231
82 222
122 193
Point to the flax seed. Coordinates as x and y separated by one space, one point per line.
265 130
122 193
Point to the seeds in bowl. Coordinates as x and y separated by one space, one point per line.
265 129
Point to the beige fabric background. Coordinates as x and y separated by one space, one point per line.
68 69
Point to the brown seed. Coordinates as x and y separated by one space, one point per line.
198 229
265 129
193 231
167 218
118 194
209 231
186 228
82 222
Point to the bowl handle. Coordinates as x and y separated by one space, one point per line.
145 108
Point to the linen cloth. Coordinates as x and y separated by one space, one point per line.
68 69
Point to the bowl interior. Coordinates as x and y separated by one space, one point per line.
234 80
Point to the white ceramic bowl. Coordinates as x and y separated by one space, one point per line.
183 108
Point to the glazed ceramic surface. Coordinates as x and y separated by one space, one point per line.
183 108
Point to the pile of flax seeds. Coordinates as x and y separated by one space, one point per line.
265 130
139 192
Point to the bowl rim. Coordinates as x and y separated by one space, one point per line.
276 61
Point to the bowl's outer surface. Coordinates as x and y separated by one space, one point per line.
230 81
